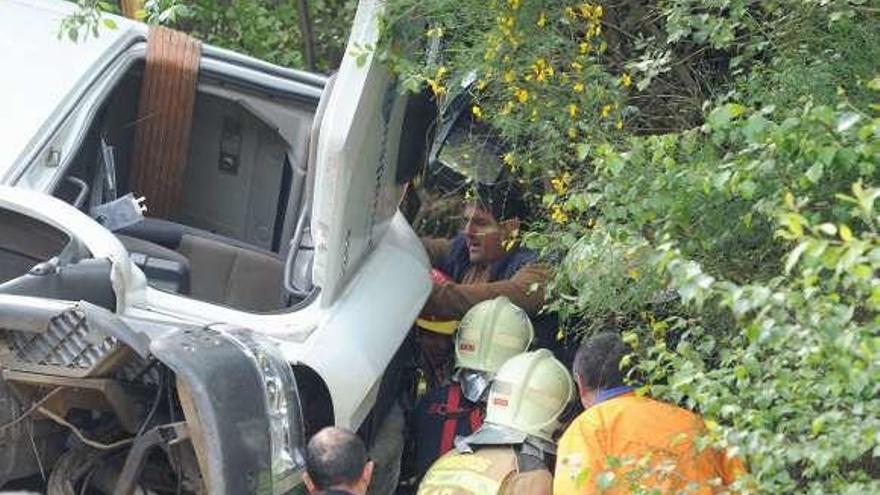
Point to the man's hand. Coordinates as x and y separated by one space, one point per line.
439 278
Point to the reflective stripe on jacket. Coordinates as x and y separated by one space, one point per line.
628 429
440 416
488 471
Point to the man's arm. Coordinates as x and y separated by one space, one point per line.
436 248
525 289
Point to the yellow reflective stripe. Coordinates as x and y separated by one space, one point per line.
470 481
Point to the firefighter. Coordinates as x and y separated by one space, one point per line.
511 453
489 334
632 442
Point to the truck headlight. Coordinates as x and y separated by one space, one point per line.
286 432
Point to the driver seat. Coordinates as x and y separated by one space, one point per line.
220 269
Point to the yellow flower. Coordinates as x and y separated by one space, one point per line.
514 4
572 109
508 159
578 87
558 215
507 108
436 82
542 70
619 124
509 76
572 132
521 94
560 184
584 47
477 111
606 111
436 87
436 32
481 84
577 66
625 80
542 20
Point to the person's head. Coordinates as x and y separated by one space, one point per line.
493 217
337 458
597 365
490 333
530 393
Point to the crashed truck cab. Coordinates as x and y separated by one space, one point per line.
196 350
240 424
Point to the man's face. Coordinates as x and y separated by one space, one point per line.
484 235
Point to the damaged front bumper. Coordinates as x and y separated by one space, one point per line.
238 394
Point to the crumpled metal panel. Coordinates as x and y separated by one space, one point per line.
68 342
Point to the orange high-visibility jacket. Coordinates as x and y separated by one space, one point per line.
637 441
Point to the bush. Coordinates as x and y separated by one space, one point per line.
709 174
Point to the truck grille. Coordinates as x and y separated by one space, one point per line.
68 343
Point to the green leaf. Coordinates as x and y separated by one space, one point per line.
827 229
847 120
795 255
747 189
754 128
605 480
583 478
818 425
814 173
109 23
582 150
720 117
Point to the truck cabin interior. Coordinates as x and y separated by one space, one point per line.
243 183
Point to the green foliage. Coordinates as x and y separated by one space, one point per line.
267 29
721 211
88 17
270 30
264 29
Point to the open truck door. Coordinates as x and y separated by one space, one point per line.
366 152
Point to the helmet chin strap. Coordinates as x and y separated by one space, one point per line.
474 384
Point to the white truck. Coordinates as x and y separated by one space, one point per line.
195 353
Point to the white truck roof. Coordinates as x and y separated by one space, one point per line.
40 68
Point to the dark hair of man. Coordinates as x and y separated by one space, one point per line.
503 199
597 362
335 457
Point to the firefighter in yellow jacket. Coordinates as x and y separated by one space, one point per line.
623 443
508 455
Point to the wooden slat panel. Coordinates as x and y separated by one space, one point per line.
165 115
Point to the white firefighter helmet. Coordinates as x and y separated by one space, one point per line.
529 394
490 333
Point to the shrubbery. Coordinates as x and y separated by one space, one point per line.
709 173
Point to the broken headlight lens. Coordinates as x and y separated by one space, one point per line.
286 434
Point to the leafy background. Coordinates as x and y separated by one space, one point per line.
706 170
